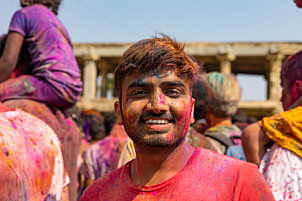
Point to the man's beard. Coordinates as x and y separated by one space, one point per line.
155 138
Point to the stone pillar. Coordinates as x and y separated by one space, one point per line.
273 81
225 57
104 67
89 77
104 83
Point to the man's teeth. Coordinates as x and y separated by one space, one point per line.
158 121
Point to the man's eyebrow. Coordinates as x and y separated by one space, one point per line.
173 83
148 84
138 84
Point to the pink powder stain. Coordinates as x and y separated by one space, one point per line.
13 125
184 114
169 137
161 99
154 193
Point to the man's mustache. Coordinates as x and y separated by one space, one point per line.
152 115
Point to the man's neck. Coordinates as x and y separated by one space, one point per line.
297 103
155 165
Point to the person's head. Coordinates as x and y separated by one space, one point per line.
201 92
291 80
109 121
53 5
226 94
239 116
93 127
298 3
153 83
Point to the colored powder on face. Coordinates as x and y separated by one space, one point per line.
139 80
162 101
169 137
157 74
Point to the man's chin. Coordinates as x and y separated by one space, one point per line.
157 140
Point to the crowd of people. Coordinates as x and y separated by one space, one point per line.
176 132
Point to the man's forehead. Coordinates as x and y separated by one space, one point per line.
153 76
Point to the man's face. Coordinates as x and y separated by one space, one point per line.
287 98
157 109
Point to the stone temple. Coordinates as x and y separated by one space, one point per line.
255 58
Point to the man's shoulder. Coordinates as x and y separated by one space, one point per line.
227 171
107 184
210 158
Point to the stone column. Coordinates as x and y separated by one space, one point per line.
104 83
225 57
89 77
273 81
104 67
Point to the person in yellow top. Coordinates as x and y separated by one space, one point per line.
275 143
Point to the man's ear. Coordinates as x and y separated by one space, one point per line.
118 114
296 89
296 93
192 120
298 84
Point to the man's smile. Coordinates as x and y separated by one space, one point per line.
157 121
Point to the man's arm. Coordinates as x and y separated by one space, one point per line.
9 58
254 143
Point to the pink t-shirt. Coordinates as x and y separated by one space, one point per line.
206 176
49 46
31 161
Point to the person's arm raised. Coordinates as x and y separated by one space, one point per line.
9 58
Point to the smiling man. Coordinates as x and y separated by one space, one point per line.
153 83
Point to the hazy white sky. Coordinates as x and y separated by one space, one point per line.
187 20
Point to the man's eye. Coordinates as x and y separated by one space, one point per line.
174 93
139 93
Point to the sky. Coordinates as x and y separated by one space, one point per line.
99 21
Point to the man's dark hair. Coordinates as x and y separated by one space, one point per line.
93 127
292 69
155 55
109 121
201 92
53 5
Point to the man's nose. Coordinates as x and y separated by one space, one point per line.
157 102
